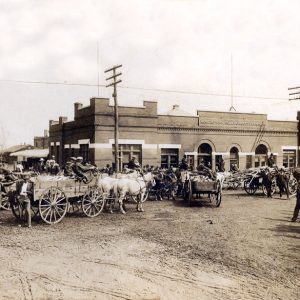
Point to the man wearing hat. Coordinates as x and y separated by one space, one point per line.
79 169
68 168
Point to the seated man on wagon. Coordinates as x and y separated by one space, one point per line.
68 168
79 169
134 164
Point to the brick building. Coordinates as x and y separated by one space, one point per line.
41 142
242 138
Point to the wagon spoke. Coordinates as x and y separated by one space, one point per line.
44 211
56 208
46 200
49 210
59 208
60 200
54 212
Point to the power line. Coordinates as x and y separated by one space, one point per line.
142 89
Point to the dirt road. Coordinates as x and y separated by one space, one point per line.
246 249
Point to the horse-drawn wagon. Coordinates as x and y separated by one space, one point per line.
195 186
51 198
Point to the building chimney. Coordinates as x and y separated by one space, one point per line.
45 133
77 106
62 120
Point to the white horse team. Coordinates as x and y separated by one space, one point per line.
133 184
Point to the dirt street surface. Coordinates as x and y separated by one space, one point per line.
245 249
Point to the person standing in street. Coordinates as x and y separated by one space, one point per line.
24 197
296 174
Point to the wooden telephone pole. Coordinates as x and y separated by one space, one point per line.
114 84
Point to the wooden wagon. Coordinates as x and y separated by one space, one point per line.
51 198
195 187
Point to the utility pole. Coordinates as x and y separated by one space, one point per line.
114 84
231 85
296 94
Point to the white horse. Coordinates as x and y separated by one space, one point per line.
133 187
221 177
107 185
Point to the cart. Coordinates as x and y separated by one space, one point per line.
51 198
195 186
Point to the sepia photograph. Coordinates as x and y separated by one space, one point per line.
149 149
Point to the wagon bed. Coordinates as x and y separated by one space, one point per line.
51 198
195 186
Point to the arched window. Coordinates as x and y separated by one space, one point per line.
234 157
261 156
205 154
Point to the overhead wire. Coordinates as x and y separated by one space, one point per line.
65 83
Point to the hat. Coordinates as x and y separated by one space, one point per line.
73 158
79 158
26 176
41 159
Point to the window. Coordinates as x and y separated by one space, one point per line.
289 158
234 156
127 152
205 154
248 161
51 150
261 156
84 152
169 158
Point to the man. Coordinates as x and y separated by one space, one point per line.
41 165
296 174
267 181
184 163
222 165
282 181
133 164
23 191
19 167
271 161
8 175
68 168
79 169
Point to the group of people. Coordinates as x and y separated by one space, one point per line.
75 168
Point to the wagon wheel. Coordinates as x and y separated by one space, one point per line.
92 202
16 207
19 209
4 201
216 197
185 190
53 205
249 187
273 188
292 186
190 193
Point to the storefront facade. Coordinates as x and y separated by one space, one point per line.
238 138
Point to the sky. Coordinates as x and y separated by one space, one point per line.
197 50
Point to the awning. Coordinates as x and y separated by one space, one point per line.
32 153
